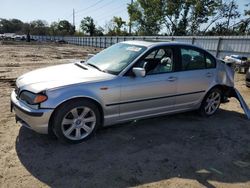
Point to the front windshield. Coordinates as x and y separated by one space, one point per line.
115 58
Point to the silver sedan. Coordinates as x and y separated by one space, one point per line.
127 81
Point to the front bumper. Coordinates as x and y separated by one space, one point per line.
35 119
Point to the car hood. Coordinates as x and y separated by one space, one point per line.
59 76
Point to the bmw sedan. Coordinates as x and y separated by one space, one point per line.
127 81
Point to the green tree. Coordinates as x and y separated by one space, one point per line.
243 27
218 16
182 17
116 27
118 24
231 12
99 31
228 11
53 29
175 16
39 27
26 28
201 12
88 26
65 28
146 16
10 26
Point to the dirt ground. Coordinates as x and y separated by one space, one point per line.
183 150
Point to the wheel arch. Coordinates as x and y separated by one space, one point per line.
99 106
225 90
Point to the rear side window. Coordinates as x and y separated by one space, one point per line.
210 62
193 59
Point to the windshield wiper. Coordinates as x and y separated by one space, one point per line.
92 65
81 66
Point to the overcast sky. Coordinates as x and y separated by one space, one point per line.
54 10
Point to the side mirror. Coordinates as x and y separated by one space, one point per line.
139 72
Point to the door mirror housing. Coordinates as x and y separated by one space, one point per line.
139 72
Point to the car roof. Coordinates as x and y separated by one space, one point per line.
147 43
152 43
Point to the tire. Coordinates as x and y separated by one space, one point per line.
76 120
211 102
51 133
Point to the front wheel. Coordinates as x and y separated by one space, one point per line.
211 102
76 121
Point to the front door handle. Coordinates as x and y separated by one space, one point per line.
172 79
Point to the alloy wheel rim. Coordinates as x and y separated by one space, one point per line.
212 103
78 123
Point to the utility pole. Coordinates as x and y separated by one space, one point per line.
74 17
130 24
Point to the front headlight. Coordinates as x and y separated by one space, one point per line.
33 98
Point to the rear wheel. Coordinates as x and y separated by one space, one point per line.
76 121
211 102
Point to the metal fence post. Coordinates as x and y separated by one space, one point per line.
218 47
193 40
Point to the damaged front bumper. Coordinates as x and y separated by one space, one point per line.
35 119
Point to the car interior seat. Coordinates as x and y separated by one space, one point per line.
186 59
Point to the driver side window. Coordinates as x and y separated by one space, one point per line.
158 61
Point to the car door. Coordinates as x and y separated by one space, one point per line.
154 93
196 75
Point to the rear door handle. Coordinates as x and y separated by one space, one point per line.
172 79
209 74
